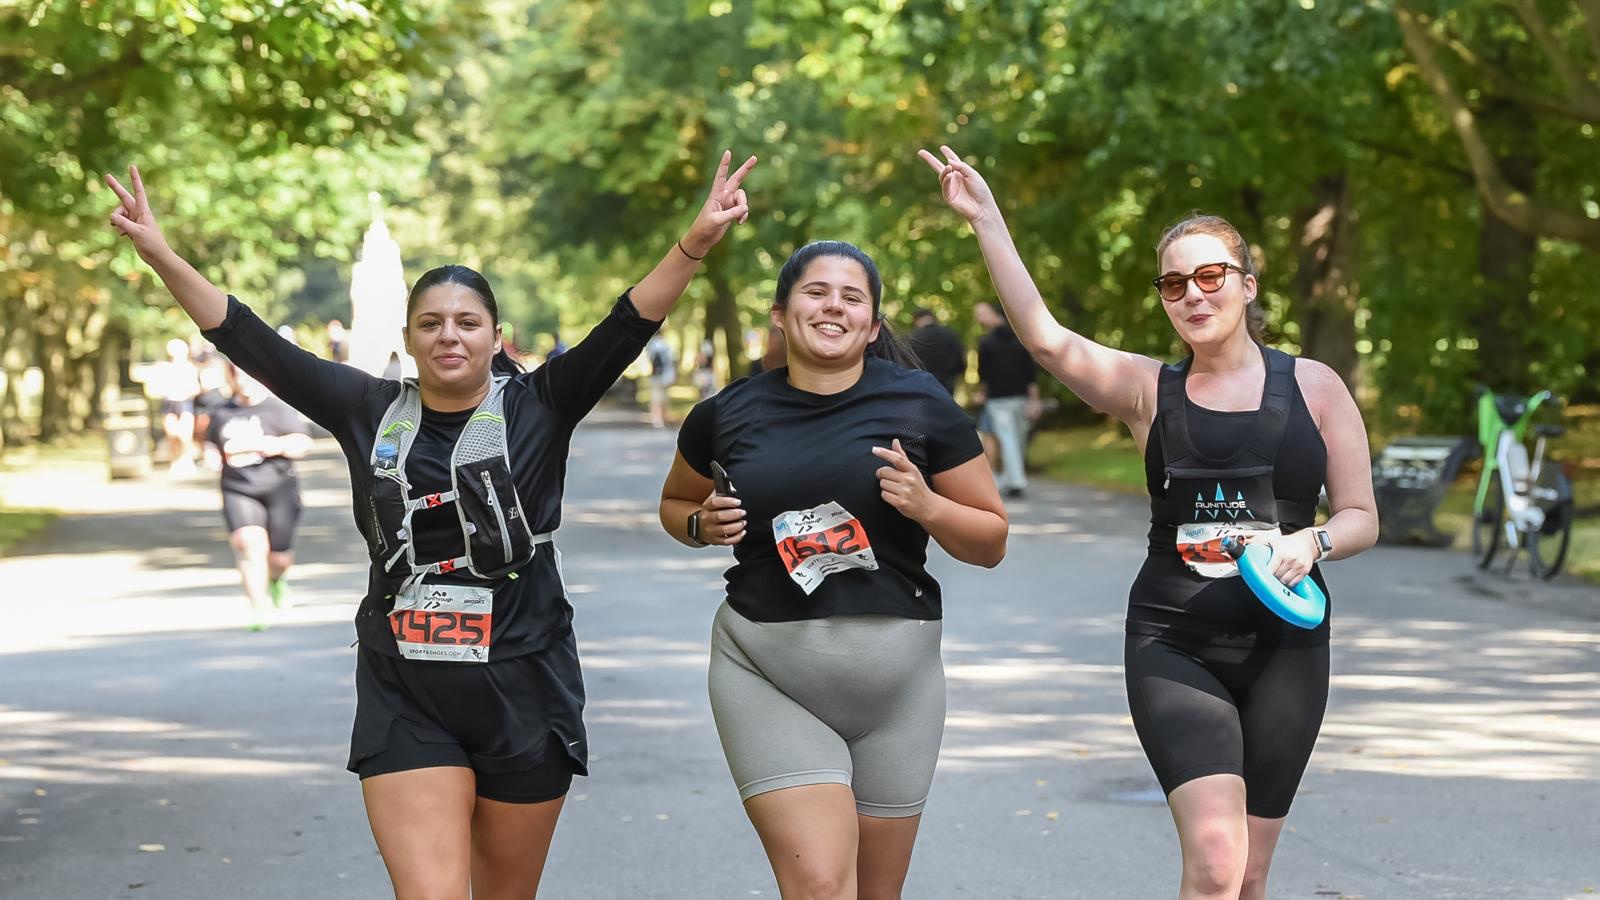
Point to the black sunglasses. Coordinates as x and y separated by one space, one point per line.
1209 277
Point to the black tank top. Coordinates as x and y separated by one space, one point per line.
1167 597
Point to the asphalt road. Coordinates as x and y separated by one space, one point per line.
150 748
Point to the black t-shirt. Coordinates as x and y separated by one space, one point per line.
941 352
252 473
790 453
1005 367
542 408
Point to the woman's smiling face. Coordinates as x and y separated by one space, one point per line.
1199 316
452 337
829 316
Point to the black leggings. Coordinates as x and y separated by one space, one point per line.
1203 710
278 511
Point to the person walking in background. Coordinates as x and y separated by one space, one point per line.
1008 386
212 371
259 438
338 342
938 347
705 372
663 372
774 353
178 383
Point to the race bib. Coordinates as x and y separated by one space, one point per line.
245 428
1200 545
815 543
448 622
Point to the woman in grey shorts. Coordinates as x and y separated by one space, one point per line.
825 676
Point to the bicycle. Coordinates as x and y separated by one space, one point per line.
1520 503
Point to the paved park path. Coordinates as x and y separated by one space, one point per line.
151 748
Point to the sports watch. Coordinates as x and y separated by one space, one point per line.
694 528
1324 543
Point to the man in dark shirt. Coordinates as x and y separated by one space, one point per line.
1009 389
938 347
772 353
259 437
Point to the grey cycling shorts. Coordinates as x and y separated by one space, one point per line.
852 700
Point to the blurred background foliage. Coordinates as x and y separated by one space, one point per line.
1418 179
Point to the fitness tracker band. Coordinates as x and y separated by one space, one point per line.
1324 543
694 528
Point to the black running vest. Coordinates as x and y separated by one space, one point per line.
1269 480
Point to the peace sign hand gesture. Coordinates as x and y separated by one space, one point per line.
133 218
725 205
963 188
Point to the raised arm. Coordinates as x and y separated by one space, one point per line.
725 204
324 391
1113 381
577 379
201 299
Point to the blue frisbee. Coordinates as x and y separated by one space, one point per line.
1304 605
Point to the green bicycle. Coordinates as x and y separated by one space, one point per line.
1521 503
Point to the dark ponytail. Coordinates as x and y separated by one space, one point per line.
889 346
503 363
886 345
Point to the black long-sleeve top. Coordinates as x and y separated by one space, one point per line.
542 408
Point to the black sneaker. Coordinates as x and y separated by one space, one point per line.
1014 493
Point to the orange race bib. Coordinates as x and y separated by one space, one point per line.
815 543
448 622
1200 545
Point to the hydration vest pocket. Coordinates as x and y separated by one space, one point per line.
377 545
497 539
385 489
487 495
1208 505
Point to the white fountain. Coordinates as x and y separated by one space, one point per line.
378 301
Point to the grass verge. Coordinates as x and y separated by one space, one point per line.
17 525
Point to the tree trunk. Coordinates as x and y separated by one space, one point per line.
51 357
87 363
1324 292
1505 320
722 313
15 335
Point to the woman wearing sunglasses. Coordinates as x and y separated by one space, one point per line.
1238 441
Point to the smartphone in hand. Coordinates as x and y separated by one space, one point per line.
722 486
